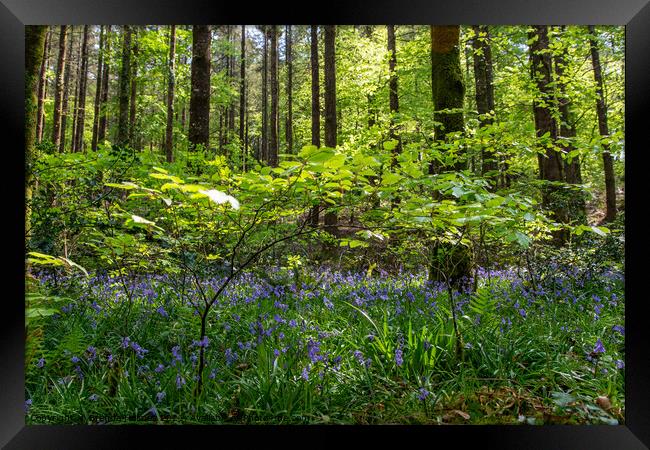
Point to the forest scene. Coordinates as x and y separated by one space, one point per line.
324 224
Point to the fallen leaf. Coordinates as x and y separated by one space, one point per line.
603 402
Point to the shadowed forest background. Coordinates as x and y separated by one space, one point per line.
324 224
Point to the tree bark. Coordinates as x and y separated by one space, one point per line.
551 164
315 108
242 89
273 143
83 81
264 143
199 130
447 86
601 111
567 132
98 88
42 86
75 108
34 54
289 59
125 83
482 59
103 106
331 218
134 90
59 85
66 92
393 98
169 130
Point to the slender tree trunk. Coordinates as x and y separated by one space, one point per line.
289 59
447 86
273 147
264 152
393 97
134 90
59 85
42 86
567 131
551 166
315 108
34 53
66 92
331 218
103 111
169 131
199 131
449 262
601 111
231 81
83 81
242 89
75 108
98 88
125 83
482 58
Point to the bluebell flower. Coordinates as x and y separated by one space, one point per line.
305 373
398 357
28 403
423 394
159 369
74 359
93 397
40 363
176 352
160 396
180 381
162 311
620 364
92 353
619 329
125 342
599 348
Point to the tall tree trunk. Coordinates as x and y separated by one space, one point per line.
58 86
273 144
125 83
331 218
447 86
289 59
199 132
242 89
66 92
393 97
83 81
134 90
551 166
34 53
98 88
231 82
315 108
75 108
103 106
482 58
264 143
567 131
169 130
601 111
42 86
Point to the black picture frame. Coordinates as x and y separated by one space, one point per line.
14 14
